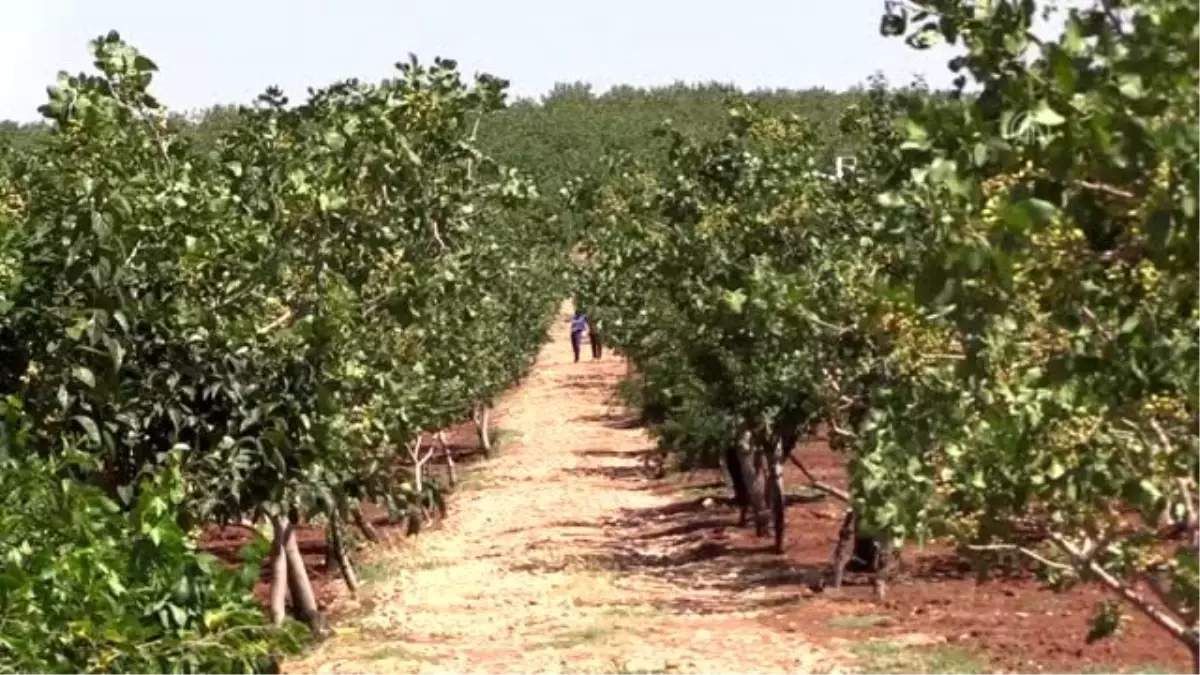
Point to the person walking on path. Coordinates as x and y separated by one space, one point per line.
596 340
578 325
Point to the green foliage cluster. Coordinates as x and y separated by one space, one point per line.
89 588
721 278
996 316
255 326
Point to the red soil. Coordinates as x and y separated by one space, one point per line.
1016 622
226 542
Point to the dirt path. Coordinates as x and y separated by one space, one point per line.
556 560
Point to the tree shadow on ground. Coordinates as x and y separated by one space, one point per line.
587 382
619 473
616 422
689 551
622 454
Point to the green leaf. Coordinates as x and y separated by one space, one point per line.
89 427
85 376
1129 324
979 154
734 300
1056 470
1046 116
1130 85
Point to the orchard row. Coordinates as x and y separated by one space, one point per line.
258 329
995 317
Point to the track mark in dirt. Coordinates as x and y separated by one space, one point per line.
563 558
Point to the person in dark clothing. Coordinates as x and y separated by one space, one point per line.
578 325
595 339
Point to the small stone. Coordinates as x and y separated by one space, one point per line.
708 503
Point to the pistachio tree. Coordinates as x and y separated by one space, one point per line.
1056 210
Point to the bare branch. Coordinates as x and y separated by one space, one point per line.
471 162
279 321
437 235
840 431
1022 550
1091 316
1105 189
823 487
813 317
1154 583
415 452
1155 613
129 258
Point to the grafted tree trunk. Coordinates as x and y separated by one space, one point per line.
304 601
281 530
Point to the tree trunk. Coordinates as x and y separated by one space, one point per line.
331 562
363 524
775 490
418 483
737 480
482 424
304 601
842 552
883 566
451 470
756 499
337 546
281 529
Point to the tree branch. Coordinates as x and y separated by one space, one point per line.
1156 614
279 321
1028 553
1105 189
823 487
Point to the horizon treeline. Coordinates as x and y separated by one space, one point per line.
566 131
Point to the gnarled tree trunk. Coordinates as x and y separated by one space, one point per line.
756 499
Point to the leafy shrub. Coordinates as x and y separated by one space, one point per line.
87 586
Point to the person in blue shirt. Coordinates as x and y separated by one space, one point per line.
579 324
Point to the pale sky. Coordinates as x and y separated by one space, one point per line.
226 51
